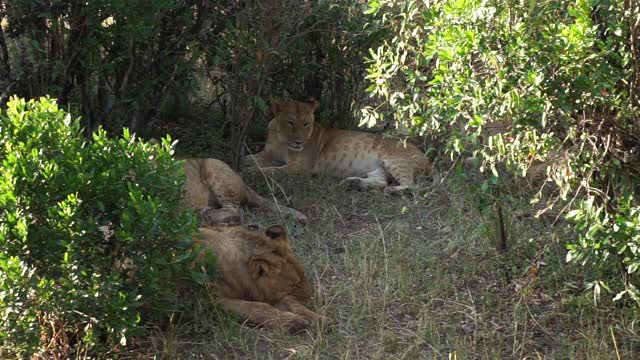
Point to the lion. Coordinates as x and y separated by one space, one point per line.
214 189
259 277
297 144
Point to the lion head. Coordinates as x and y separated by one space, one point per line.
254 266
295 120
276 271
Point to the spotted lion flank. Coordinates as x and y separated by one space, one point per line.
297 144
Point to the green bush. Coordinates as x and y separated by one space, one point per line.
90 232
527 88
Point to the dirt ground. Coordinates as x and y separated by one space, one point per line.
415 277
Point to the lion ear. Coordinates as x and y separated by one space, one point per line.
276 232
277 105
259 267
313 103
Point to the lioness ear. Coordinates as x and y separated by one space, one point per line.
276 232
259 267
313 103
277 105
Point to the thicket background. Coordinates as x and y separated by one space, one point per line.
146 65
542 98
532 106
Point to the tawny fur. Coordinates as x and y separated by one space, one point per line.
260 278
296 144
214 189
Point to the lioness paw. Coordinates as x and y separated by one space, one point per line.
353 183
296 326
396 190
324 321
225 216
299 216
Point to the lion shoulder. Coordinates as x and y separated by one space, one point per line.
211 180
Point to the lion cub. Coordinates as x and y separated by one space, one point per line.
214 189
297 144
259 278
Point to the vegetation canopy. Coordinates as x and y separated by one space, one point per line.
543 90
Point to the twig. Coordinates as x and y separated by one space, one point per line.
386 262
615 343
5 93
93 320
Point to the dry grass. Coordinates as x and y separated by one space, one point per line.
414 277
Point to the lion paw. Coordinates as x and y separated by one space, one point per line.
396 190
296 326
300 217
225 216
324 321
353 183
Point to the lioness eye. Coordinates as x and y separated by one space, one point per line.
306 124
291 123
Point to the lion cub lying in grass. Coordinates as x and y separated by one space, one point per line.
260 278
296 144
214 189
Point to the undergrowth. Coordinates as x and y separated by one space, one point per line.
417 277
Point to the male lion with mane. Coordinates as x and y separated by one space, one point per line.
297 144
260 278
214 189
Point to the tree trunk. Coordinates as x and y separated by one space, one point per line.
633 8
5 71
249 84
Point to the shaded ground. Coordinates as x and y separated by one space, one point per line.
415 277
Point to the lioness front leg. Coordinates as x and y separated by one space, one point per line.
263 314
262 159
279 171
294 306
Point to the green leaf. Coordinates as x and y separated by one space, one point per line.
574 215
262 105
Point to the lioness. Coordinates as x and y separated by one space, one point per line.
296 144
260 278
217 191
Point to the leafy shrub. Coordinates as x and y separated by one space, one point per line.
89 232
536 89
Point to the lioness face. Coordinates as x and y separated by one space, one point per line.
295 119
279 273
